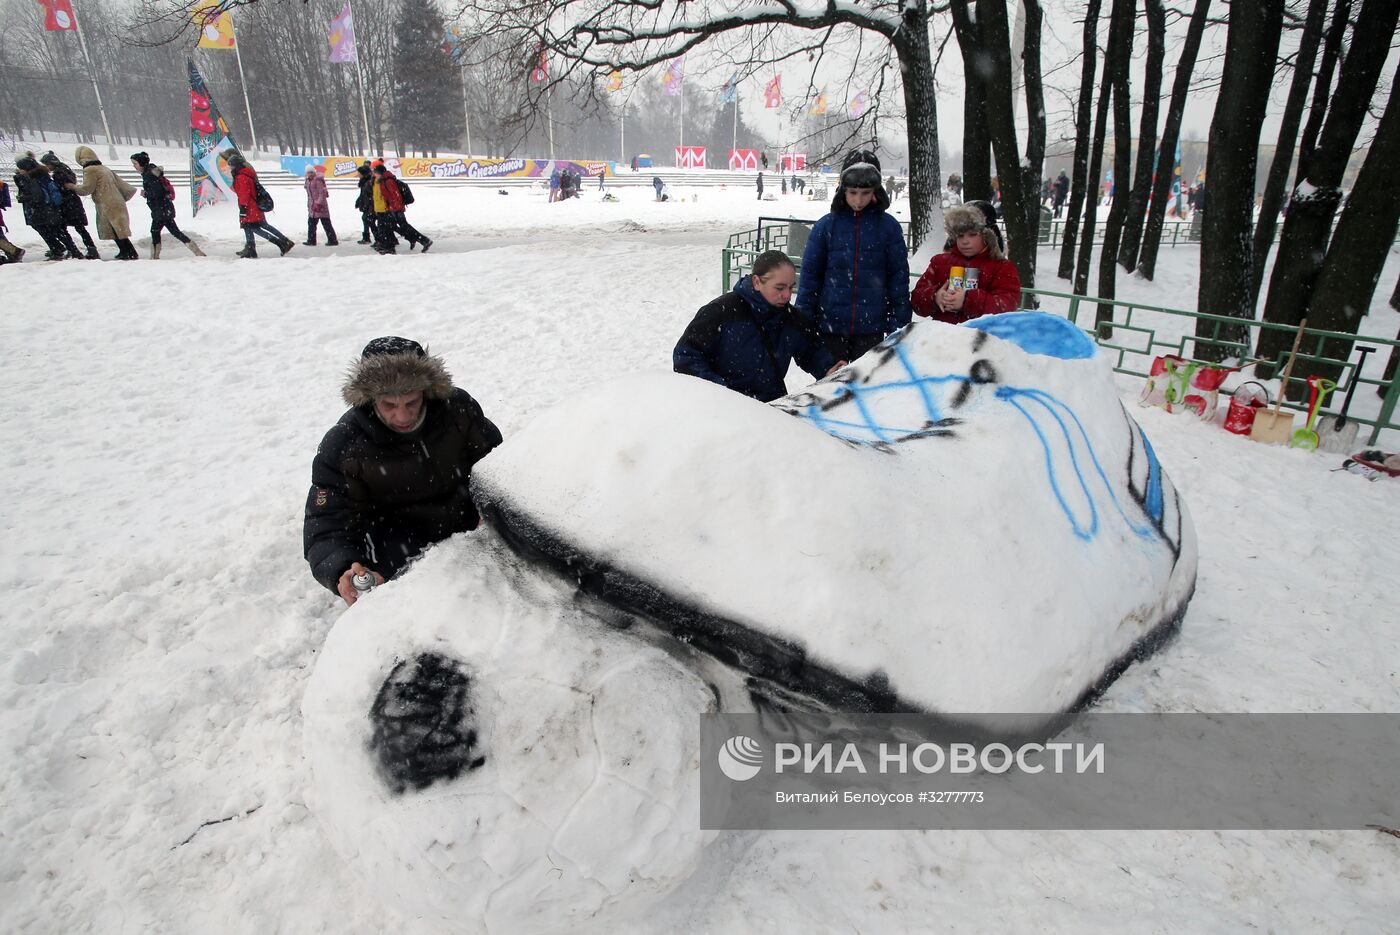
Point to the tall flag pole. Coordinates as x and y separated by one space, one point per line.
342 40
216 31
729 95
59 16
210 181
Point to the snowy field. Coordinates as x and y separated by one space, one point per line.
159 623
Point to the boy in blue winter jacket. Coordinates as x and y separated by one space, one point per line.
855 270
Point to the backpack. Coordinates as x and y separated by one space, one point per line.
52 193
261 196
405 192
169 189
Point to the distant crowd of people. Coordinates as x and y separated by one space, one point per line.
48 191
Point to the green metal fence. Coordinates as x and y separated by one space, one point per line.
1137 333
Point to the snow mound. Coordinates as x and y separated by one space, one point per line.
489 755
966 520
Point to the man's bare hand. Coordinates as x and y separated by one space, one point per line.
347 590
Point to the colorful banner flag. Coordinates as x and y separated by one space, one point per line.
674 77
614 81
215 25
860 104
342 37
793 162
730 90
452 43
541 70
210 179
1176 179
58 15
773 92
819 108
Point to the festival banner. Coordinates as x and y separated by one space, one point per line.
210 179
819 108
342 37
1176 181
58 15
446 168
773 92
614 81
740 159
674 77
793 162
859 104
541 70
730 89
690 157
215 25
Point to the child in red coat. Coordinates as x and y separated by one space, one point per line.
974 243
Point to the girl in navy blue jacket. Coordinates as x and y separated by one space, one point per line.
855 270
747 338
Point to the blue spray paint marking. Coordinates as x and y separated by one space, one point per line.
1037 333
1154 480
1054 407
861 395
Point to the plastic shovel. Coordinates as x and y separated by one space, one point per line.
1273 426
1306 437
1336 434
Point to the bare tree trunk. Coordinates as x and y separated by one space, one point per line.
1092 184
1331 52
977 71
1171 133
1147 135
1365 233
921 105
1251 47
1306 229
1119 59
1016 200
1083 128
1035 138
1287 140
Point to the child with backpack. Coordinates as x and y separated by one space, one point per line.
160 198
43 207
253 202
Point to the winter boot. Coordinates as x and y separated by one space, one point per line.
310 240
249 252
155 251
74 254
194 248
285 245
426 242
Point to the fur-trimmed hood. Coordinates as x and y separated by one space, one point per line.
394 366
86 157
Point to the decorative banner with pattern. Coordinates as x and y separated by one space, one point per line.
215 25
210 179
773 92
690 157
415 168
743 159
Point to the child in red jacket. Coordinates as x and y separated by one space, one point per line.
974 243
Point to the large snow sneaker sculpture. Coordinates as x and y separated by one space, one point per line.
966 520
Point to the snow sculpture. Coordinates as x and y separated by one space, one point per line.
490 755
964 521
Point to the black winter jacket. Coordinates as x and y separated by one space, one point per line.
157 198
32 191
381 497
74 214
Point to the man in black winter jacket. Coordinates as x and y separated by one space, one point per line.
392 476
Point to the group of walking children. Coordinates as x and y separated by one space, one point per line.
52 198
383 197
854 291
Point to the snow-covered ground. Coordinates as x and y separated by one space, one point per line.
159 623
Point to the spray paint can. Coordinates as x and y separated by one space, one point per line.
970 278
363 584
955 277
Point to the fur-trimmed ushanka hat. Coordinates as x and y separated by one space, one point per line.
976 216
394 366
